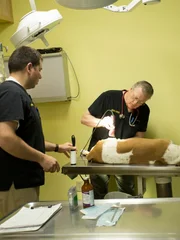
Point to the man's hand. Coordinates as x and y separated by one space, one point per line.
49 164
66 148
107 122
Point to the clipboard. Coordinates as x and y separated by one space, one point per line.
30 217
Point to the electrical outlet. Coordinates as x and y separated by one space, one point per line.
79 185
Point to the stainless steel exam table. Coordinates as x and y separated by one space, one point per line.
143 219
162 174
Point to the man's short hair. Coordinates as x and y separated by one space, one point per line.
146 87
21 57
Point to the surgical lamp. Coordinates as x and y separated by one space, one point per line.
85 4
34 25
90 4
130 6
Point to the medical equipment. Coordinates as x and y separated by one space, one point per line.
34 25
130 6
87 193
85 4
92 4
94 129
73 152
73 198
133 119
133 115
52 87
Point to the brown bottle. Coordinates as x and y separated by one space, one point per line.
87 193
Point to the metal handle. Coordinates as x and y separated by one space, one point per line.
73 139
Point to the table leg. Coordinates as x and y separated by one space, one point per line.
141 185
163 186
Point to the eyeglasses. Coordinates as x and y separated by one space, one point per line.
135 98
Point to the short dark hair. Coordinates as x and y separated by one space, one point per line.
21 57
147 88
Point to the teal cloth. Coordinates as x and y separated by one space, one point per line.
110 217
95 211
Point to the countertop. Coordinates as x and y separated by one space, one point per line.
142 219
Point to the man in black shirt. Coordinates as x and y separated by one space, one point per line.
120 114
22 146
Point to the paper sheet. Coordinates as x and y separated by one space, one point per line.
29 219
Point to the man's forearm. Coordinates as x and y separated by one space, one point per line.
50 147
90 121
15 146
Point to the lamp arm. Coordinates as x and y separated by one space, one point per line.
42 37
124 8
33 5
133 4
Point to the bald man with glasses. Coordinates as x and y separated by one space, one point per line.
121 114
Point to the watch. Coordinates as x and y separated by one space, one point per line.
56 148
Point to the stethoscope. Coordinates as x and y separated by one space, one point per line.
132 118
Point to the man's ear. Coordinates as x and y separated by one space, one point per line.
29 67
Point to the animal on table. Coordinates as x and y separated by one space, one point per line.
140 151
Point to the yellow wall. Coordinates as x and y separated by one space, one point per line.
110 51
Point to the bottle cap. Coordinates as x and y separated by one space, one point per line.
86 178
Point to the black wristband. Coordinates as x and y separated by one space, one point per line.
56 148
